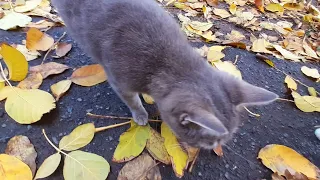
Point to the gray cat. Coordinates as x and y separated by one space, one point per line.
144 51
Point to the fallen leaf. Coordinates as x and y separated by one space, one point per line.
60 88
81 165
260 45
48 166
212 2
5 71
28 6
147 98
78 138
26 106
215 54
306 103
312 91
276 176
291 84
218 150
155 146
235 36
279 158
309 50
13 168
42 24
265 59
33 81
192 152
89 75
141 168
287 54
15 61
37 40
62 49
233 8
259 4
28 54
228 67
50 68
239 45
21 148
131 143
13 20
221 12
293 6
2 85
43 13
179 158
310 72
274 7
201 26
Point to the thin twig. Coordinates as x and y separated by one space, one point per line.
117 117
288 100
194 160
254 114
235 61
52 47
111 126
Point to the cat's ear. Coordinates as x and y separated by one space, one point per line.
207 121
246 94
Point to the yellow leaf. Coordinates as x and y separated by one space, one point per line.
28 54
215 54
33 81
233 8
78 138
274 7
48 166
131 143
81 165
293 6
7 91
155 146
310 72
201 26
306 103
181 6
259 4
48 69
27 106
37 40
89 75
179 158
28 6
13 19
2 84
228 67
148 99
15 61
60 88
235 36
259 45
309 50
62 49
279 158
312 91
287 54
221 12
12 168
291 84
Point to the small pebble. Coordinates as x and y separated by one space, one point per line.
286 135
54 139
79 99
317 133
3 125
29 127
60 134
110 138
199 174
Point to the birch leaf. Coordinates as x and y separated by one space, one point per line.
89 75
13 20
155 146
33 81
148 99
13 168
221 12
60 88
310 72
48 166
287 54
48 69
306 103
37 40
291 84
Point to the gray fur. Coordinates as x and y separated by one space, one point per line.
144 51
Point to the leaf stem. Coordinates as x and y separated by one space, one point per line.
55 147
288 100
117 117
194 160
254 114
52 47
111 126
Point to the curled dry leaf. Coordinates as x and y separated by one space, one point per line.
42 24
26 106
141 168
310 72
28 54
259 4
62 49
33 81
131 143
78 138
48 69
81 165
306 103
291 84
21 148
48 166
274 7
37 40
28 6
15 61
148 99
13 168
309 50
228 67
218 150
179 158
280 158
287 54
13 20
89 75
60 88
215 54
155 146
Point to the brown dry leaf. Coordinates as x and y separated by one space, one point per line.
37 40
276 176
48 69
42 24
21 148
192 152
239 45
235 36
287 54
310 72
293 6
291 84
33 81
218 150
280 158
155 146
44 13
60 88
221 12
259 4
306 103
62 49
89 75
309 50
141 168
212 2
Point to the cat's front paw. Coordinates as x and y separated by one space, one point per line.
140 118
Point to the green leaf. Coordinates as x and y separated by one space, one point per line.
78 138
81 165
155 146
48 166
131 143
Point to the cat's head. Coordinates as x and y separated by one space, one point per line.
208 114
